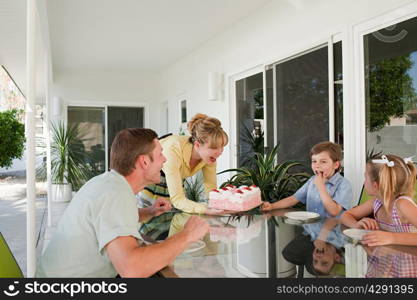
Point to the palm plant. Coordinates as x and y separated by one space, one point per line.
68 156
274 179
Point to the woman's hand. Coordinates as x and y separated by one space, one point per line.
368 224
266 206
160 206
378 238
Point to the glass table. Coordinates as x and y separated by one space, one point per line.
271 245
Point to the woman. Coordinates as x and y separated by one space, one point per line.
186 155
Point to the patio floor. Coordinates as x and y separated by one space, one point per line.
13 217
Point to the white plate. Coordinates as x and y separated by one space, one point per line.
354 233
195 246
302 215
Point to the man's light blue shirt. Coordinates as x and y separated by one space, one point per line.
338 187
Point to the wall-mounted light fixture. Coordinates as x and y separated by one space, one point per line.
215 86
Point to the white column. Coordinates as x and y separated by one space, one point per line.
30 136
48 140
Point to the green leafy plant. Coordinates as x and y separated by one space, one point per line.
275 180
194 188
12 137
68 156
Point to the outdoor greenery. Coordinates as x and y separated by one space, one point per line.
255 143
12 137
275 180
391 91
68 156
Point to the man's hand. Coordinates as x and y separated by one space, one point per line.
160 206
368 224
195 228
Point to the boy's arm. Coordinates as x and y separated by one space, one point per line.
285 203
331 206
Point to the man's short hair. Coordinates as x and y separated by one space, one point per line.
128 145
334 150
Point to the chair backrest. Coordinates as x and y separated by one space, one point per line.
364 196
8 264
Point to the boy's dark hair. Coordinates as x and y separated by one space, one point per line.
334 150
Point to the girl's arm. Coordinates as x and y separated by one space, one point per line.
352 217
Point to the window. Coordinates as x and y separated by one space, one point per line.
390 89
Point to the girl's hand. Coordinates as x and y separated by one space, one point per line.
368 224
378 238
266 206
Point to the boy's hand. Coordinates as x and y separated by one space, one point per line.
320 179
266 206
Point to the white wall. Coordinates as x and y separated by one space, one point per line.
274 32
107 87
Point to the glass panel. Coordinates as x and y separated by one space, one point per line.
390 84
302 104
183 111
250 117
119 118
338 93
90 121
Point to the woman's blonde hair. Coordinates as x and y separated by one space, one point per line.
205 129
395 181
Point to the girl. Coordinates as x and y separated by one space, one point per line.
186 155
390 179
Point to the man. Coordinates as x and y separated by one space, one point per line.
98 233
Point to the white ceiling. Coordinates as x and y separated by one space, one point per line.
135 35
116 35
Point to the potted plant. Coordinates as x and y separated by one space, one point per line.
276 181
69 169
273 179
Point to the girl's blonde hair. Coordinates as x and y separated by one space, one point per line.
205 129
395 181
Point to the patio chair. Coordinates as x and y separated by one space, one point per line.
9 267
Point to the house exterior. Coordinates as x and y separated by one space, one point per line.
301 71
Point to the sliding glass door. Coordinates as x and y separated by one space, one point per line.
289 104
390 89
98 127
91 131
121 117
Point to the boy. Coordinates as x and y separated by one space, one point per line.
327 192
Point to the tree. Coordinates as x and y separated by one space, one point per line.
12 137
391 91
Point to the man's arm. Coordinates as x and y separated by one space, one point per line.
130 260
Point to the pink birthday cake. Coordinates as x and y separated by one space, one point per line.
235 198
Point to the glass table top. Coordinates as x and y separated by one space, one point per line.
272 245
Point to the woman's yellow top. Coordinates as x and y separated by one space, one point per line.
177 150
